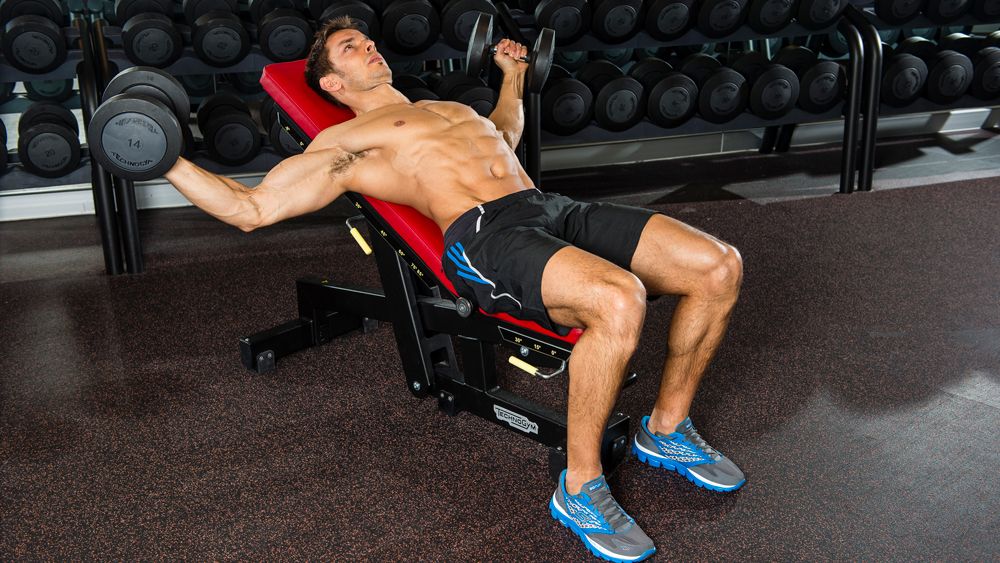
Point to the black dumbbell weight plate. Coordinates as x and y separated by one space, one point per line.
480 41
152 40
358 11
541 61
570 60
220 39
446 87
479 97
822 87
194 9
570 19
898 12
667 20
153 83
770 16
419 94
774 92
672 101
944 11
49 90
49 150
650 70
459 17
49 9
567 104
986 10
33 44
617 57
615 21
229 131
124 10
949 76
404 82
48 112
410 26
260 8
986 77
135 137
795 57
817 14
198 85
617 98
284 35
903 79
718 18
282 141
965 44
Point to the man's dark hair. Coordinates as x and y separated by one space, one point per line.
318 63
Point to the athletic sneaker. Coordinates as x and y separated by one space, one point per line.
600 522
686 452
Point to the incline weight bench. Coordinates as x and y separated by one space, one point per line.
423 308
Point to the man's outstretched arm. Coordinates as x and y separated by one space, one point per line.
508 115
296 186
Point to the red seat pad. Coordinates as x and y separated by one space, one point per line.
286 84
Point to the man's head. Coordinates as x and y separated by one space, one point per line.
343 61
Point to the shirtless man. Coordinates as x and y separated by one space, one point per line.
515 249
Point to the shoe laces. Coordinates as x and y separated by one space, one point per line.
610 509
692 436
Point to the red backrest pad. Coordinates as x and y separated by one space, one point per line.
286 84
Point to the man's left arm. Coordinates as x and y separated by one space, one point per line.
508 115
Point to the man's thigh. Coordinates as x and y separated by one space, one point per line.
672 258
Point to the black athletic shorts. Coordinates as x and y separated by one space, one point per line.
495 252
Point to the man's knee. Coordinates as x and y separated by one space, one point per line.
619 305
725 273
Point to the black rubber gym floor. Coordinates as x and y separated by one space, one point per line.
858 387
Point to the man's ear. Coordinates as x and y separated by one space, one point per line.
331 83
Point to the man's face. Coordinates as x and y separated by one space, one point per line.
358 65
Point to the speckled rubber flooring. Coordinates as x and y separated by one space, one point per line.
858 387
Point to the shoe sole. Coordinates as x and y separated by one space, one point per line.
669 465
571 526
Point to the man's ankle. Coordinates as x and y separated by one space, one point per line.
664 422
575 479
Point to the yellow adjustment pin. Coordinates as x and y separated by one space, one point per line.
522 365
361 240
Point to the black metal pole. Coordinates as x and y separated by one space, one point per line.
872 92
533 137
784 140
104 200
508 23
852 115
767 141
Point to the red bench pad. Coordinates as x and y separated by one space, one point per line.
286 84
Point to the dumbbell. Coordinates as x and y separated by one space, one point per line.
280 139
774 88
949 73
149 36
567 103
897 12
986 76
670 98
667 20
570 60
722 92
818 14
570 19
413 87
468 90
49 90
964 43
217 33
138 131
458 18
718 18
360 12
903 78
945 11
48 142
32 34
619 57
834 44
282 31
986 10
821 83
198 85
228 128
770 16
617 97
481 50
615 21
408 26
245 82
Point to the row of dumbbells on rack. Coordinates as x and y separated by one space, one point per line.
233 131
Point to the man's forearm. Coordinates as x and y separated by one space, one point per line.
508 116
223 198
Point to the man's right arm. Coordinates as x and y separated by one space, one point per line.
299 184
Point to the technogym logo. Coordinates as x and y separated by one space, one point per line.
517 421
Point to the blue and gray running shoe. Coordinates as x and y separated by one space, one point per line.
600 522
685 452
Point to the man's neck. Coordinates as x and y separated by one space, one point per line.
378 97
